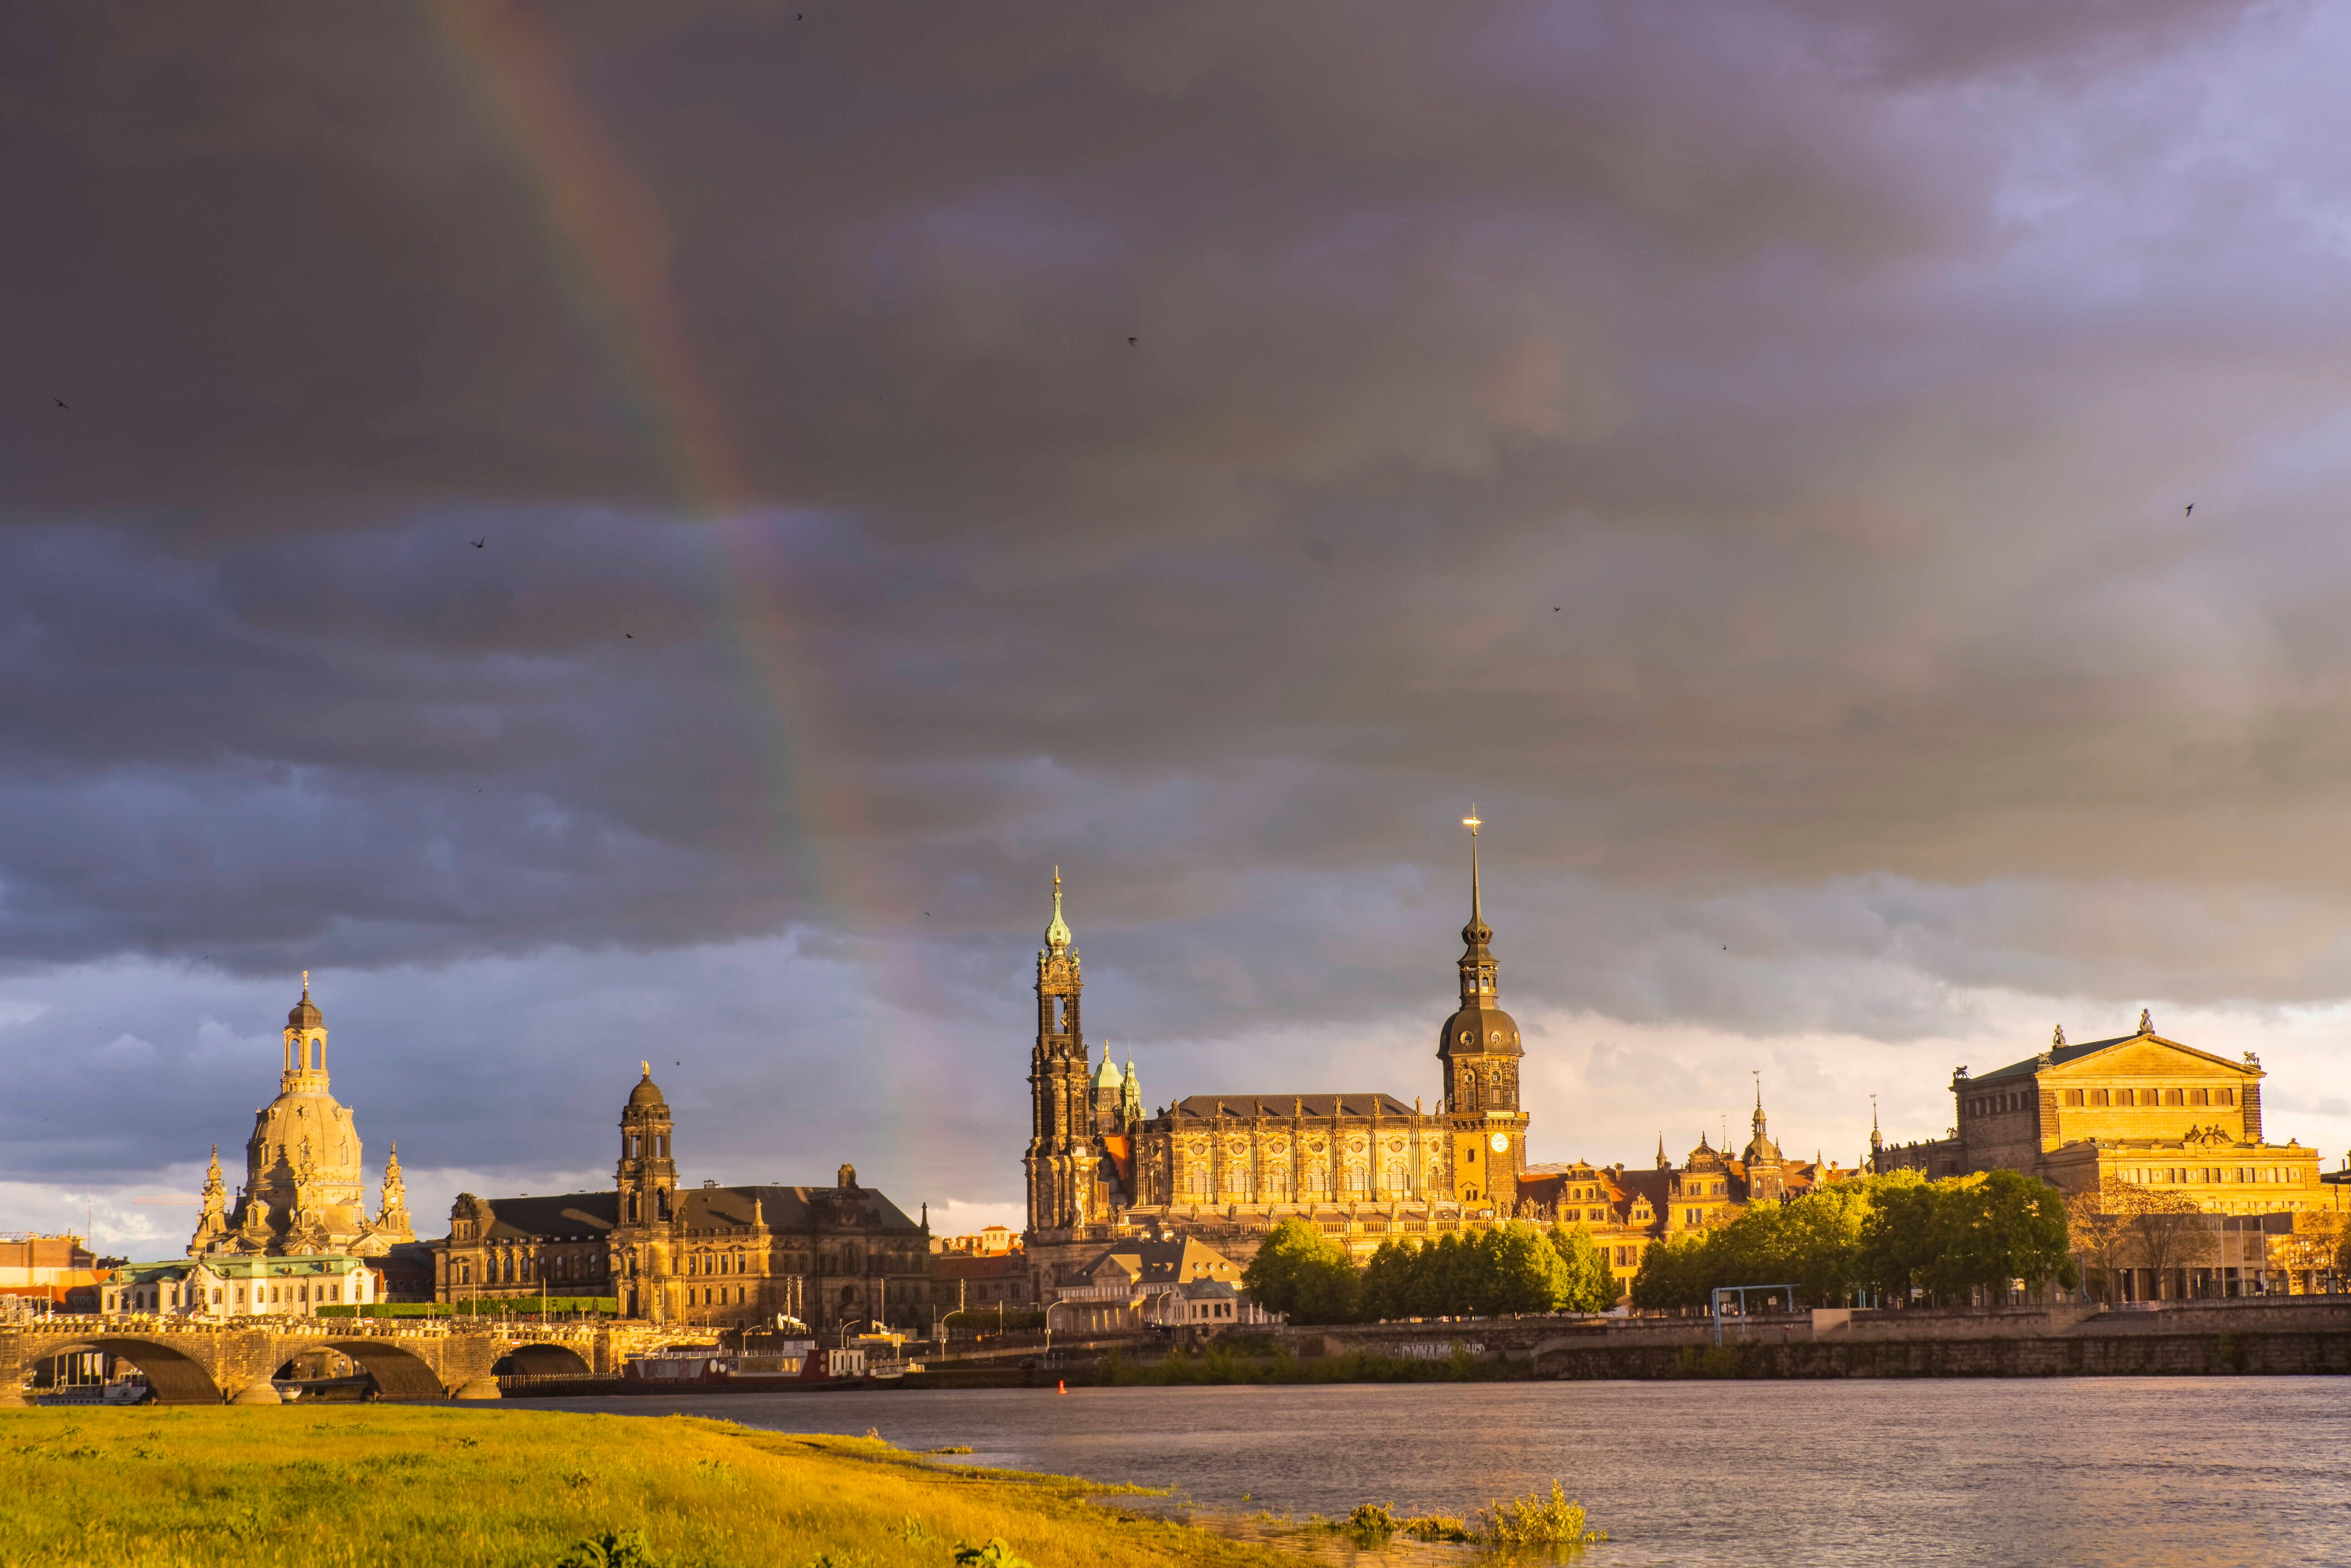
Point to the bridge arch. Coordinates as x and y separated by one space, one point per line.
398 1373
542 1361
177 1377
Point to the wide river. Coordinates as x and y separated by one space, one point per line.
1993 1473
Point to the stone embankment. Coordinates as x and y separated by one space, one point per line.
2294 1335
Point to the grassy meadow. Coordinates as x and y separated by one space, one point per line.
368 1486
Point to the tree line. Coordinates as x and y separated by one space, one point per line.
1515 1267
1895 1237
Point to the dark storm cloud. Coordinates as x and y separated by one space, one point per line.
1741 449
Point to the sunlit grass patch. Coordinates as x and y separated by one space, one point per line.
294 1487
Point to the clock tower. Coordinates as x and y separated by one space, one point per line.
1480 1052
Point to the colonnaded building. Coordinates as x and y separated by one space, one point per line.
702 1255
2140 1109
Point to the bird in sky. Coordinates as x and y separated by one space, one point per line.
631 636
482 543
2191 511
61 402
1130 342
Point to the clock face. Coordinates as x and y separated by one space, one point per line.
1500 1143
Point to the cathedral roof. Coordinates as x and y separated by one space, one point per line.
646 1092
1281 1107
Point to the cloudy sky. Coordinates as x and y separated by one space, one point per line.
611 534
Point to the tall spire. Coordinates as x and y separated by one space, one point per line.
1057 934
1477 965
1477 907
1759 1103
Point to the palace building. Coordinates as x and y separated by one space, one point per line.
304 1195
709 1255
1228 1167
2140 1109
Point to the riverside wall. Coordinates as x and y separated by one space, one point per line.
2276 1335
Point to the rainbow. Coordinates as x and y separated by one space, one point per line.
610 244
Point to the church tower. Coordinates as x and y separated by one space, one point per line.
1479 1051
1766 1172
1062 1157
647 1179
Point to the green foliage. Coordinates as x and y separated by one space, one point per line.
995 1554
1304 1274
611 1549
1896 1232
1374 1524
1950 1238
1586 1282
1539 1520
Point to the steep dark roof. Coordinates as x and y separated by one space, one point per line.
786 1208
1203 1107
570 1216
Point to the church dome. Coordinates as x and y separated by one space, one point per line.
646 1092
1107 1076
1479 1029
304 1014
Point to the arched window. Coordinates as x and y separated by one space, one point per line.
2224 1097
1395 1176
1357 1177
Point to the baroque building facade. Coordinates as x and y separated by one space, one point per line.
2140 1109
1226 1168
303 1192
707 1256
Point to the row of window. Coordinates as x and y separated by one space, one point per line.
2151 1096
2150 1176
1995 1104
1273 1184
169 1297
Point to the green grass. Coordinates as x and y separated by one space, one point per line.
389 1487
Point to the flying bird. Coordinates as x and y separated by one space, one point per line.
61 402
482 543
1130 342
2191 511
631 636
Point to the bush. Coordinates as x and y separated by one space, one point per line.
1539 1520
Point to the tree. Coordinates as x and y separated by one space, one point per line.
1303 1274
2168 1232
1673 1274
1519 1272
1997 1226
1899 1238
2100 1226
1586 1284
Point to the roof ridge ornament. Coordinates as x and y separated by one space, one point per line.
2057 1038
2146 1021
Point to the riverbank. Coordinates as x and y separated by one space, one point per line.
306 1487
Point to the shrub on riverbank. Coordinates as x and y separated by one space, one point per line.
297 1486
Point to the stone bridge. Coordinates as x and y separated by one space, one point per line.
190 1363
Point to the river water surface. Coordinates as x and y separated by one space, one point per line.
1992 1472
